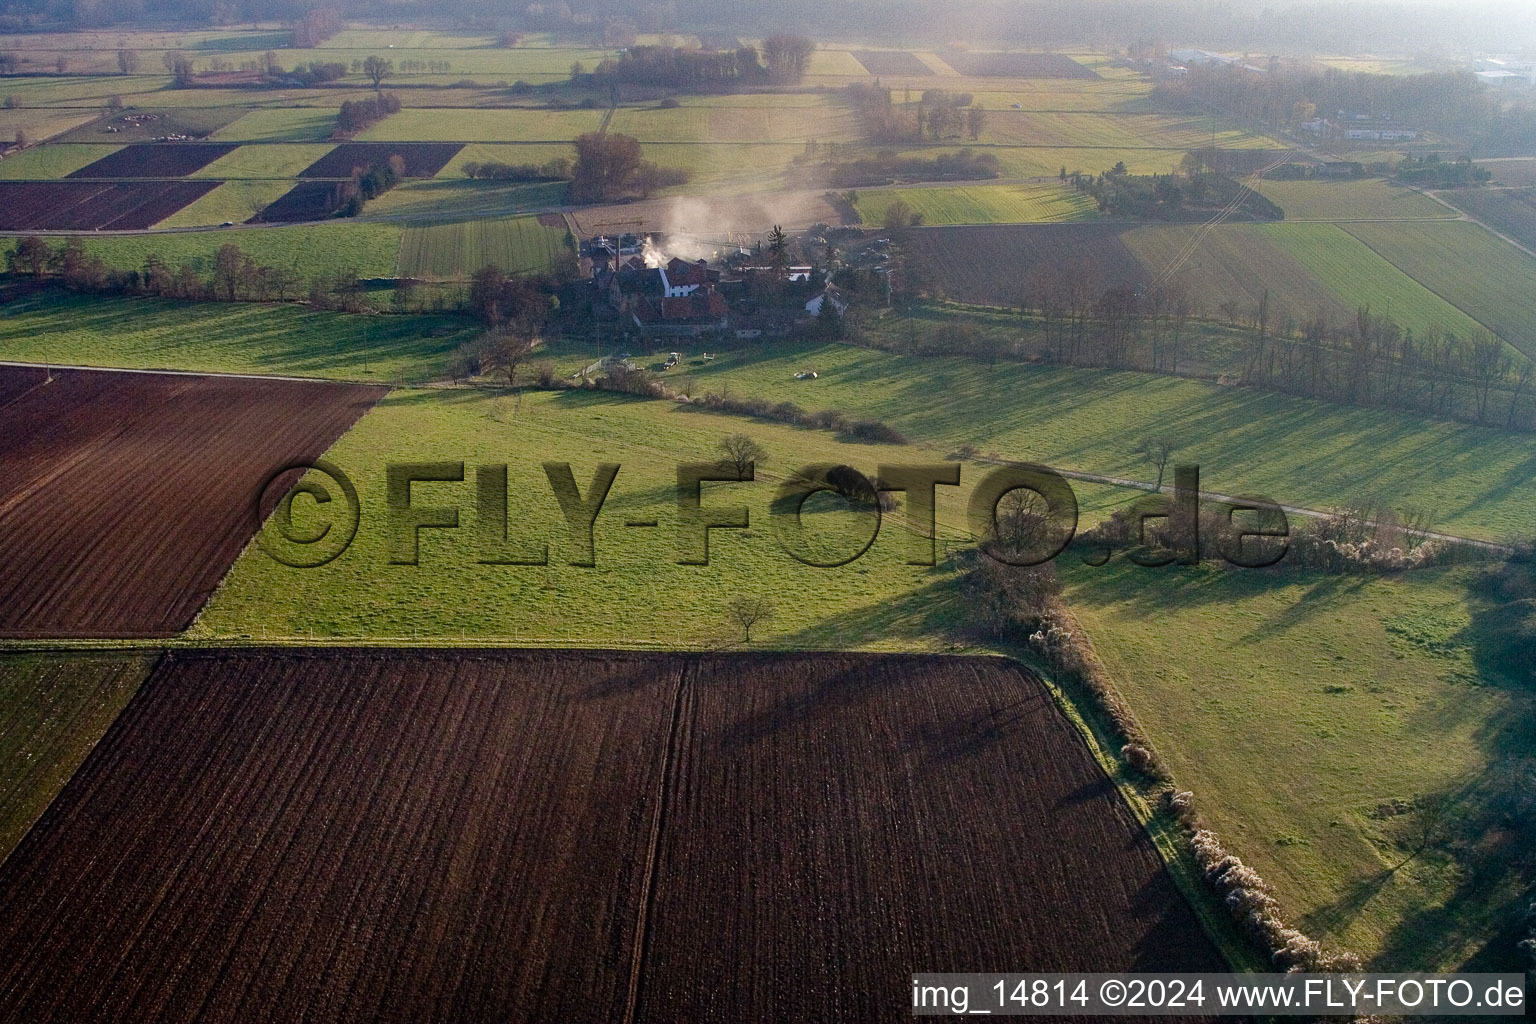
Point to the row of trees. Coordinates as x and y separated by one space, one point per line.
1452 103
231 276
355 115
1164 196
558 169
610 165
665 67
937 115
1367 360
1448 102
315 27
888 166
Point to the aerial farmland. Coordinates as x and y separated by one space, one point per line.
538 514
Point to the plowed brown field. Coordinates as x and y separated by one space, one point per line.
574 836
124 497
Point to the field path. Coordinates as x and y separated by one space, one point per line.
677 738
168 373
1464 215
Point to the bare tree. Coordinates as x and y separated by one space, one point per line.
377 69
1430 819
747 612
1157 451
127 61
975 121
741 452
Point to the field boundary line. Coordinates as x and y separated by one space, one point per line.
653 849
1469 218
1435 291
179 373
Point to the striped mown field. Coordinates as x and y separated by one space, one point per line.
458 249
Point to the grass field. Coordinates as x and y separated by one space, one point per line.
1349 693
1489 280
981 204
1511 211
456 250
1089 129
52 712
246 338
39 123
1305 268
1482 481
286 124
311 249
443 198
266 161
417 125
722 119
1362 199
49 162
507 153
1348 270
637 593
233 201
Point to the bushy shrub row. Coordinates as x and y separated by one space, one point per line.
558 169
1016 601
1249 899
355 115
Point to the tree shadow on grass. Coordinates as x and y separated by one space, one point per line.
1333 918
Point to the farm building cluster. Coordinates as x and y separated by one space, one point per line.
654 295
1361 127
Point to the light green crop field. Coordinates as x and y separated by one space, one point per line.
724 120
981 204
288 339
281 124
308 248
456 250
839 63
1347 269
1045 161
1235 263
726 167
233 201
40 123
1490 280
1067 95
265 161
637 593
53 710
1510 211
1294 706
1079 129
506 153
1306 268
375 38
77 91
1294 450
48 162
442 198
418 125
1356 199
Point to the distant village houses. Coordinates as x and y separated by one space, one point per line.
681 298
